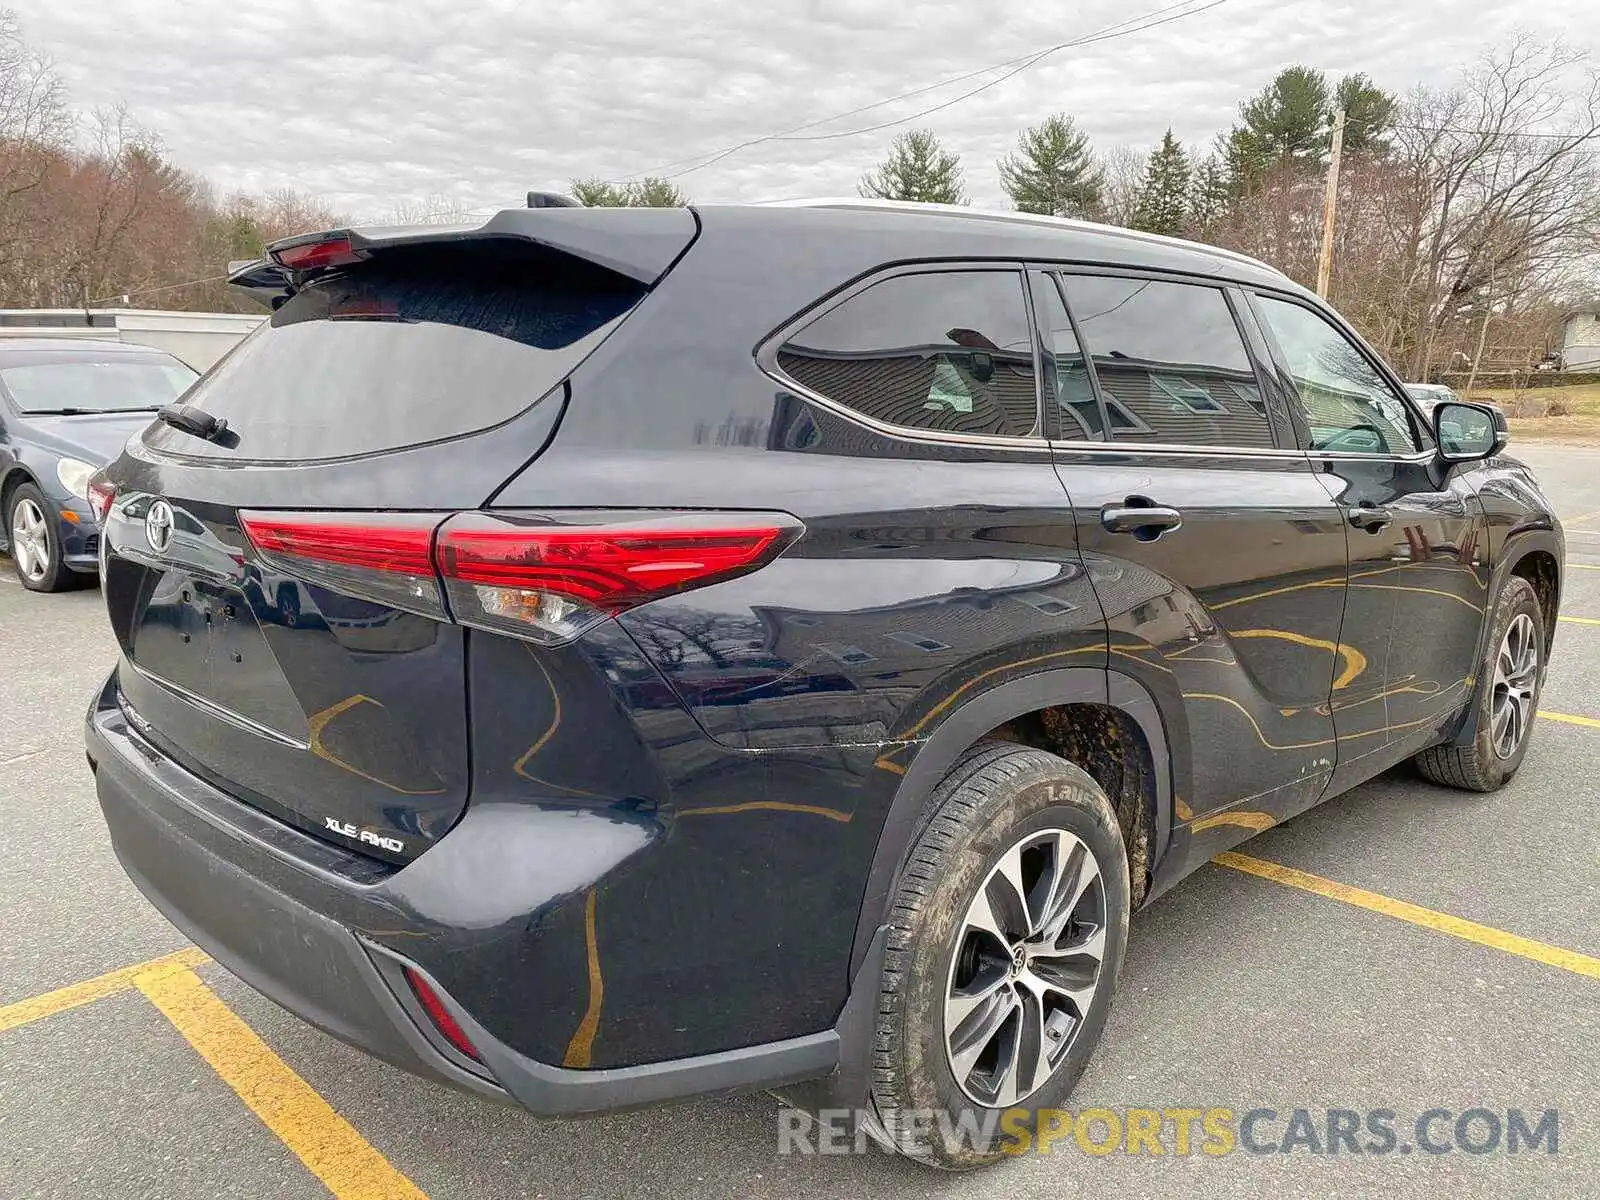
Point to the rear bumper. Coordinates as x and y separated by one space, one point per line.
282 911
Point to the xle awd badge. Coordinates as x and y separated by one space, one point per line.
350 830
158 526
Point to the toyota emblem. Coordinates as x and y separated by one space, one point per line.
158 526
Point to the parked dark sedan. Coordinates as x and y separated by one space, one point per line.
67 406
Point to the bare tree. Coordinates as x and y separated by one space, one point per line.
1504 184
1122 169
34 125
433 209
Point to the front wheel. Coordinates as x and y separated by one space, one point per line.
35 546
1006 936
1492 746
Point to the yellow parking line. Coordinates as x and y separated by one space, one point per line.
1581 620
1585 566
1427 918
1569 718
329 1145
98 988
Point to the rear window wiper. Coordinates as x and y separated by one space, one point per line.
186 418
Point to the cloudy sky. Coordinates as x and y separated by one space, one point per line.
372 102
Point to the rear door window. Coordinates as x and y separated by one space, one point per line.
415 346
941 350
1170 361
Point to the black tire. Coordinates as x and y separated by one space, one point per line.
995 797
55 575
1470 761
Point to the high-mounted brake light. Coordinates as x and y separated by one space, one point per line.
314 255
545 577
550 582
443 1020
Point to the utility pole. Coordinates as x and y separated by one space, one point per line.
1330 203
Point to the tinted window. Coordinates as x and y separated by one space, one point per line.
1074 391
1347 403
1170 362
115 386
947 350
414 346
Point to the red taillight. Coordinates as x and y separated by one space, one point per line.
441 1016
101 493
537 577
313 255
386 557
552 581
380 542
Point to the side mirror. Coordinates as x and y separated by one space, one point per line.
1469 432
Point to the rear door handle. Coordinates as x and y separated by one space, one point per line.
1142 517
1370 517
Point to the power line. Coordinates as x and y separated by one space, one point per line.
150 291
1150 20
1110 32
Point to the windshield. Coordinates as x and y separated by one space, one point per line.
96 387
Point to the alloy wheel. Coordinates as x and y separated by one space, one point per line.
1026 967
30 539
1516 675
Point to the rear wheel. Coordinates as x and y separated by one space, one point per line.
1006 936
35 547
1506 700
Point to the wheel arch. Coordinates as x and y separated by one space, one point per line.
1537 555
996 713
15 476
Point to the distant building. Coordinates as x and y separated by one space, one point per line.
196 338
1580 340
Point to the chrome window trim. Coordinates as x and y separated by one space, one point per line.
766 356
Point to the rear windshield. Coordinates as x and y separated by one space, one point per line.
96 387
415 346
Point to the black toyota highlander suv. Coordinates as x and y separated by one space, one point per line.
604 656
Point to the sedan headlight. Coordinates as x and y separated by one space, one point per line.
74 476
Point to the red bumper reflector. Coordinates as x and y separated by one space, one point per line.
440 1015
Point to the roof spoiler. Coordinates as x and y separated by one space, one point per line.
639 243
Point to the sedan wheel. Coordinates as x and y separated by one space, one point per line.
35 548
30 540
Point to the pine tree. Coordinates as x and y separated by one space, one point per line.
1291 120
918 168
1209 194
1163 204
1053 171
1368 114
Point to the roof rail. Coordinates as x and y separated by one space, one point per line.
1017 218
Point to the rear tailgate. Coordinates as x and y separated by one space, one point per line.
328 693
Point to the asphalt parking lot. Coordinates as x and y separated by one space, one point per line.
1240 991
